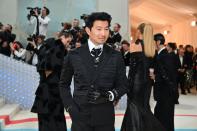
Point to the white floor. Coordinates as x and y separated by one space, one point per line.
185 116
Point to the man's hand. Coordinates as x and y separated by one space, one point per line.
95 96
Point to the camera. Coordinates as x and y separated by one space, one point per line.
84 16
32 11
31 38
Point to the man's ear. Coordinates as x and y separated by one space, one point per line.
87 30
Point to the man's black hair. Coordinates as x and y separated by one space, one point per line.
125 42
172 45
103 16
159 37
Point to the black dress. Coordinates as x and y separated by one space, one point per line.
48 104
138 115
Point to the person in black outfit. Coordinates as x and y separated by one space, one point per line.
4 45
165 84
48 104
188 64
115 36
99 79
138 116
181 70
195 68
171 47
125 52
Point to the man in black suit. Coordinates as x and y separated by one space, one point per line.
115 36
181 70
125 52
99 79
165 84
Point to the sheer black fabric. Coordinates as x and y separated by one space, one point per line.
138 115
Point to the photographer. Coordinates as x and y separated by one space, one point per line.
41 21
74 31
34 46
18 50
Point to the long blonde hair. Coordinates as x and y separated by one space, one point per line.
146 30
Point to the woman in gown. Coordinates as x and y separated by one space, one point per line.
138 115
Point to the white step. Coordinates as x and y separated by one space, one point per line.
24 114
2 102
8 110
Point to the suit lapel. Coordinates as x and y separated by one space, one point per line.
88 61
86 56
104 57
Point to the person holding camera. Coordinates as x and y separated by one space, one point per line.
18 51
41 21
34 46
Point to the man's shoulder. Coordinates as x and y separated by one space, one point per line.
113 51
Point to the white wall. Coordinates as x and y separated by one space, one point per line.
8 11
14 12
181 33
118 9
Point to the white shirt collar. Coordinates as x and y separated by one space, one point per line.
126 52
91 45
115 33
161 50
38 47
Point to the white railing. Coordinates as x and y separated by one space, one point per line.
18 81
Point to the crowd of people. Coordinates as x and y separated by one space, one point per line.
96 57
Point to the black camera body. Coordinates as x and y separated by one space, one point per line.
32 38
32 11
84 16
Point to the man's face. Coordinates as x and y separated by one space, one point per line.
44 12
125 47
169 48
99 33
116 28
78 44
65 41
75 23
181 51
39 41
157 44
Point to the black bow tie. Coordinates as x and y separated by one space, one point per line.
96 52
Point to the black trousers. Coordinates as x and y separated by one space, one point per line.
164 112
82 126
181 82
49 122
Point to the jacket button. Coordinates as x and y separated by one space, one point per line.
92 86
